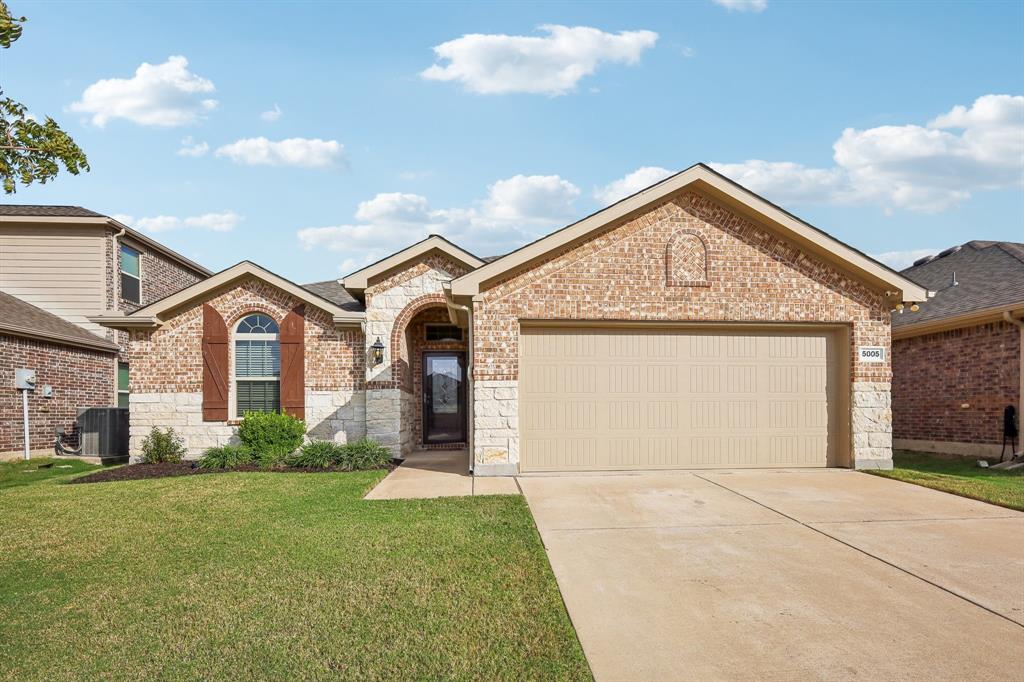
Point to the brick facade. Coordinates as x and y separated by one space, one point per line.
79 377
622 273
167 364
952 386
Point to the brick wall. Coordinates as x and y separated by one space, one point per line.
636 270
952 386
166 368
80 378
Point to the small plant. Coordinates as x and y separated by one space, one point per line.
363 454
271 459
271 436
226 457
317 454
162 446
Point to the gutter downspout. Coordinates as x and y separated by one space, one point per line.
469 378
1008 316
114 281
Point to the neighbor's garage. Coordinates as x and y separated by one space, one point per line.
600 398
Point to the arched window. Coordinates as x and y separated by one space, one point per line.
257 365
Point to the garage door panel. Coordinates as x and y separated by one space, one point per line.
633 399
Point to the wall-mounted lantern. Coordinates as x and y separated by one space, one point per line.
377 354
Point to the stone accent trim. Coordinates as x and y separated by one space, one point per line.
983 450
871 424
339 416
496 425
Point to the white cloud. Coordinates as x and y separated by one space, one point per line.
899 260
516 210
295 151
687 51
743 5
641 178
213 222
190 147
920 168
165 94
272 115
552 64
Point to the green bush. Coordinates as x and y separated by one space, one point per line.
226 457
162 446
317 454
363 454
272 459
271 436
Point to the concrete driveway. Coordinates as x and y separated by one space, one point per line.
823 574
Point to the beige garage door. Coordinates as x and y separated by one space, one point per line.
599 398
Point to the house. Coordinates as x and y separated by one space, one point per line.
693 324
60 265
957 362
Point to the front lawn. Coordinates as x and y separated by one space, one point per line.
274 576
959 476
23 472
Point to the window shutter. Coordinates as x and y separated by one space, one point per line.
215 366
293 362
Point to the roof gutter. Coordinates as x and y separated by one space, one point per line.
970 319
126 322
101 344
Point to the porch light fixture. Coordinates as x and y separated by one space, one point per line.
377 356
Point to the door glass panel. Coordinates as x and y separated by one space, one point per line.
445 376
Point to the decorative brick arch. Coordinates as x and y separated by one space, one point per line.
400 367
686 260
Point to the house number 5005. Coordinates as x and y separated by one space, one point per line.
871 353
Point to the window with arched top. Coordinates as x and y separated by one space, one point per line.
257 365
686 260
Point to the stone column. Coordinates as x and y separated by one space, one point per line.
871 425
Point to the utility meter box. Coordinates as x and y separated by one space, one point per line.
25 379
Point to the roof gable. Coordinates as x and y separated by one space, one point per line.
154 314
359 280
702 178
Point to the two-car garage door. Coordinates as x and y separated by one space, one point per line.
637 398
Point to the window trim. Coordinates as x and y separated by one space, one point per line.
233 414
120 267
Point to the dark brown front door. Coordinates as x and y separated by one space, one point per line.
444 397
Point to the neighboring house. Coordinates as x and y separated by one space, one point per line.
692 324
59 266
957 362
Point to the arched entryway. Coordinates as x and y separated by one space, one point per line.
430 367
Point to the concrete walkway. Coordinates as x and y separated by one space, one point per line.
438 473
815 574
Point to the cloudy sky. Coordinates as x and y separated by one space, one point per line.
314 138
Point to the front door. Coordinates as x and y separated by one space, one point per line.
444 397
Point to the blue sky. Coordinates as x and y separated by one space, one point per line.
896 127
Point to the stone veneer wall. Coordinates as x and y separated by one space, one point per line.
167 370
950 388
391 304
622 273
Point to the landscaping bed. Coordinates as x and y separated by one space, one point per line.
136 472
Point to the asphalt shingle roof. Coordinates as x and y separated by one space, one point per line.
989 274
335 293
19 318
35 210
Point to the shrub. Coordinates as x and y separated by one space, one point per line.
363 454
271 459
162 446
225 457
317 454
271 436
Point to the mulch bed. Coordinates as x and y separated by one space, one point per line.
136 472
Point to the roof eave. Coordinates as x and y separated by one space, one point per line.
60 339
968 319
358 281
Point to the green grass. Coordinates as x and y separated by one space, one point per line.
960 476
274 576
20 472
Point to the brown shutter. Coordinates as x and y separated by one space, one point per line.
215 366
293 362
